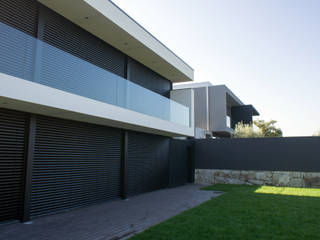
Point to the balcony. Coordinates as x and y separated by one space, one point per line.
30 59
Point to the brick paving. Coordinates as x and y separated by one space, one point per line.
117 219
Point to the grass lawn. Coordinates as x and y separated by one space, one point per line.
246 212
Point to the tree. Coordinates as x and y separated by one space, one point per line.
268 129
246 131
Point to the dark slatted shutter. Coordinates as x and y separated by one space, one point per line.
148 165
67 36
149 79
12 145
180 162
75 164
18 28
20 14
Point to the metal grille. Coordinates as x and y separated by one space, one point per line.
12 146
61 33
148 163
20 14
75 164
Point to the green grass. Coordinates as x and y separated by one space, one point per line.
246 212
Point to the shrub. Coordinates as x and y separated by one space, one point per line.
246 131
268 129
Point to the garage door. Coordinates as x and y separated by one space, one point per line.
75 164
148 163
12 139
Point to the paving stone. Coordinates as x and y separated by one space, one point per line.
111 220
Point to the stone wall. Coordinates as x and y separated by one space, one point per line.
272 178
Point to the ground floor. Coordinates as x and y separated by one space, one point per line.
50 165
112 220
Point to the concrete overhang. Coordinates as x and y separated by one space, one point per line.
232 99
254 111
105 20
26 96
250 107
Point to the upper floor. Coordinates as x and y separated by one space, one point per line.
87 60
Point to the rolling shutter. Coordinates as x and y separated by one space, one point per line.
180 162
75 164
149 79
67 36
18 27
20 14
148 163
12 146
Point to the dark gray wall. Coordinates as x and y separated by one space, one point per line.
241 114
180 162
270 154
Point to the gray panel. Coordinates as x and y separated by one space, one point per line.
12 146
75 164
217 108
269 154
200 108
148 162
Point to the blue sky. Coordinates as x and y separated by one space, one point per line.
266 51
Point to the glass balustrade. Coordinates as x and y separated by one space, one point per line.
29 58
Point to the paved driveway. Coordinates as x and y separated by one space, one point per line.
112 220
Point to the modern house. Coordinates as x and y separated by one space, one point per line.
217 109
85 108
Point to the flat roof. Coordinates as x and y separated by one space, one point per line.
231 97
106 20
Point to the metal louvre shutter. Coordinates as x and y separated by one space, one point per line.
18 20
180 163
75 164
12 146
20 14
67 36
148 164
149 79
